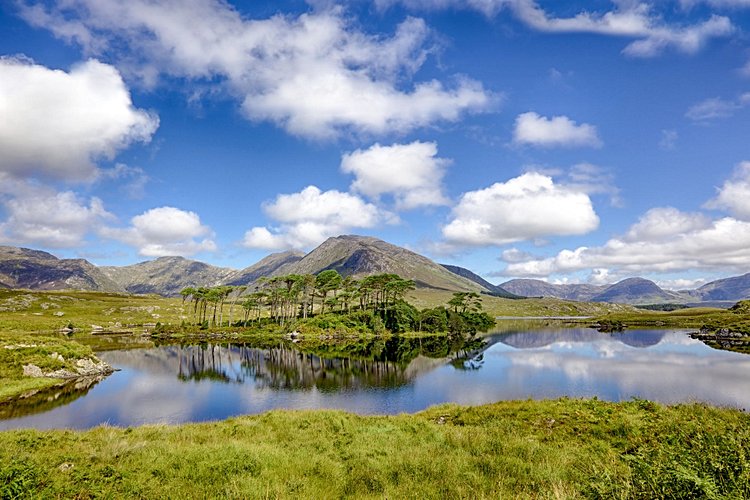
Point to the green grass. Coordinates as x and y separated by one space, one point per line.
18 350
497 306
694 317
548 449
24 311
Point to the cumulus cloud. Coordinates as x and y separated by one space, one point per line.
57 124
629 19
663 223
558 131
524 208
40 216
309 217
715 108
411 173
314 75
734 194
690 243
165 231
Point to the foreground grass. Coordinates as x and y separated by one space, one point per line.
548 449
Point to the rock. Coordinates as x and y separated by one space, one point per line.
58 313
61 373
65 330
57 356
32 371
86 367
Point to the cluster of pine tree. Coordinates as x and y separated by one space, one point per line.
328 301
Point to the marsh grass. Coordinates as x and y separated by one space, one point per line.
545 449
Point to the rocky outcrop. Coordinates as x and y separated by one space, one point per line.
85 367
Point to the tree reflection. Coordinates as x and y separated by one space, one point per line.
327 366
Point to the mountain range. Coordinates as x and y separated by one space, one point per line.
350 255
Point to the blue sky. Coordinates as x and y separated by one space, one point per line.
572 142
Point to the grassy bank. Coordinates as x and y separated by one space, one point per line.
48 353
548 449
24 311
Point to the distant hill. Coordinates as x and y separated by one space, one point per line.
636 291
351 255
271 265
166 275
495 290
360 256
37 270
539 288
627 291
732 289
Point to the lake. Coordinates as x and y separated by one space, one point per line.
190 383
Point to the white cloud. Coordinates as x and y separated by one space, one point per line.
629 19
57 123
593 179
690 244
668 139
734 194
412 173
311 216
38 215
681 283
664 223
314 75
524 208
165 231
715 108
133 179
732 4
558 131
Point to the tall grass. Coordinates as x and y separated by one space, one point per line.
547 449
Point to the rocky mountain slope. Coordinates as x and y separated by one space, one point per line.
360 256
732 289
636 291
627 291
350 255
539 288
272 265
37 270
495 290
167 275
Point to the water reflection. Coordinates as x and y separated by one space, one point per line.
47 399
179 383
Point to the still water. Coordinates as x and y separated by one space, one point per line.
189 383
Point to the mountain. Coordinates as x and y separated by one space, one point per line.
636 291
360 256
493 289
37 270
167 275
733 289
272 265
539 288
